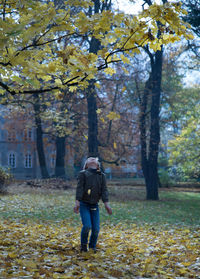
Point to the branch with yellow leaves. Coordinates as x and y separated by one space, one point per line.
72 81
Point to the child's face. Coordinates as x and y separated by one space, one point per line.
92 163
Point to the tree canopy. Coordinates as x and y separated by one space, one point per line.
43 49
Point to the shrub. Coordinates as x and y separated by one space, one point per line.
5 178
165 178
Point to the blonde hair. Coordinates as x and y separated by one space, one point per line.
91 161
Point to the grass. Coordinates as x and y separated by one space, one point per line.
174 207
128 204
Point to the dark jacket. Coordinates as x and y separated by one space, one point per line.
91 186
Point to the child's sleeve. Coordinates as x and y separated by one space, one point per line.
104 194
80 186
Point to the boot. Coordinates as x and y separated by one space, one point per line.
94 250
84 248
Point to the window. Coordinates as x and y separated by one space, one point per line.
12 160
12 135
28 134
28 161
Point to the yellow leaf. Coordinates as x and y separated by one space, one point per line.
72 88
113 115
125 70
189 36
58 81
97 85
125 59
182 271
84 60
110 71
55 276
187 264
116 273
51 67
47 78
12 255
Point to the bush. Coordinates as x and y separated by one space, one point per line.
5 178
165 178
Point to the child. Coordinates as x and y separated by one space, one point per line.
91 187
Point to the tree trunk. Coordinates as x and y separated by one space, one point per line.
143 130
92 104
60 157
92 121
151 100
150 146
99 6
39 139
152 189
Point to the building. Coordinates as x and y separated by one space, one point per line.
18 148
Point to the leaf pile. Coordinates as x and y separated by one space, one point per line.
51 250
51 183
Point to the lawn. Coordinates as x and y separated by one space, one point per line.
142 239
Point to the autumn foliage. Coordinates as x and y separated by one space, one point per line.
52 251
40 238
43 46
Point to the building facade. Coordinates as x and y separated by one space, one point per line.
18 151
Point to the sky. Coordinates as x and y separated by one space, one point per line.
128 7
132 8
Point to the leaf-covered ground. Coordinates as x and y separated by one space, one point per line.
52 251
40 238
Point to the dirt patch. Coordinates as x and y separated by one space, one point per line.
39 186
181 189
53 183
115 187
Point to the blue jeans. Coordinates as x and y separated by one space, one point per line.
91 221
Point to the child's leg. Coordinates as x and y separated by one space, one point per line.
87 225
95 219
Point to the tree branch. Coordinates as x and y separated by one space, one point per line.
4 10
112 109
5 64
149 2
116 162
146 49
34 44
70 81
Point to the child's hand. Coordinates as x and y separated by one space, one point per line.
108 208
76 207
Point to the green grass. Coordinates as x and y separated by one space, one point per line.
174 207
128 204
